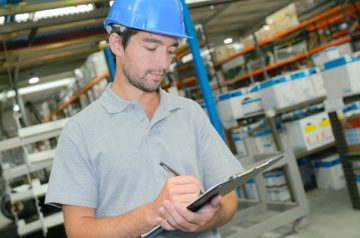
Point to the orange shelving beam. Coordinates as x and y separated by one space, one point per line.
326 14
350 10
100 77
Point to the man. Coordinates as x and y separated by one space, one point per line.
107 175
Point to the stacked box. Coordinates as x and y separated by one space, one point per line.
325 129
317 82
229 107
352 124
283 19
224 52
301 81
251 190
239 135
264 141
276 186
329 173
277 93
341 76
304 133
252 102
326 55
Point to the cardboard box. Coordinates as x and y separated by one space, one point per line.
317 82
325 129
229 107
277 93
326 55
304 89
239 135
274 178
341 76
283 19
283 53
329 173
252 102
251 191
304 133
264 141
224 52
248 41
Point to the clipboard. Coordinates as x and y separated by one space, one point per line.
222 188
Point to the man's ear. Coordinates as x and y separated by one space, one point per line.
115 43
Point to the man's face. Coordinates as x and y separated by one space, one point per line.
146 60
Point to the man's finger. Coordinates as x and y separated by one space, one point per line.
164 224
216 201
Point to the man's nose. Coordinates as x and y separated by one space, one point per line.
163 59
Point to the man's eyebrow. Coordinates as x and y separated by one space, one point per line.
157 41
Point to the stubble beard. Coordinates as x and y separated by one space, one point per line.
140 81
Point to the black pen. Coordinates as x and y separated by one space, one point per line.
170 170
173 172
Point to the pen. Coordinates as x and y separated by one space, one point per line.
173 172
170 170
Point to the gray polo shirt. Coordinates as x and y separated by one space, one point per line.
108 155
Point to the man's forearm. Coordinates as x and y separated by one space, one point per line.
132 224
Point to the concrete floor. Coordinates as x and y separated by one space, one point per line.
331 217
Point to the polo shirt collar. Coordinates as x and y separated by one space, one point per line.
115 104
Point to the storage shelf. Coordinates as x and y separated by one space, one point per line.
41 156
300 106
327 14
252 115
33 134
304 153
286 61
36 191
353 156
48 222
100 77
21 170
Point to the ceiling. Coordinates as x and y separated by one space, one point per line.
51 46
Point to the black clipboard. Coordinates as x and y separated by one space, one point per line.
222 188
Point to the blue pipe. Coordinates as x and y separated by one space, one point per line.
110 63
201 72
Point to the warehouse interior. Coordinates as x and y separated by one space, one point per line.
283 77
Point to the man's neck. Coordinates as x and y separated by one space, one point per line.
148 101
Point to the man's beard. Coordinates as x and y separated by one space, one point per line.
140 82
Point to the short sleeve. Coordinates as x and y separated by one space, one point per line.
219 163
72 180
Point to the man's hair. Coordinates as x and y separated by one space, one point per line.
125 35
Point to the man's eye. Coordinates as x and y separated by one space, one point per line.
150 48
172 53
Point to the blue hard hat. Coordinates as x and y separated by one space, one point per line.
158 16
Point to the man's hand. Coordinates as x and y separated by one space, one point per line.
177 216
178 191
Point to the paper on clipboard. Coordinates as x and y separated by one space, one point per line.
222 188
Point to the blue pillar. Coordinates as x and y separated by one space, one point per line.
110 63
201 71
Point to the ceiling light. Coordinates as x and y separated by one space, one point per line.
16 108
34 80
228 40
38 88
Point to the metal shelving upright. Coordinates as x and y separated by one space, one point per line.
343 149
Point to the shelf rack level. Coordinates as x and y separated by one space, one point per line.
32 163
